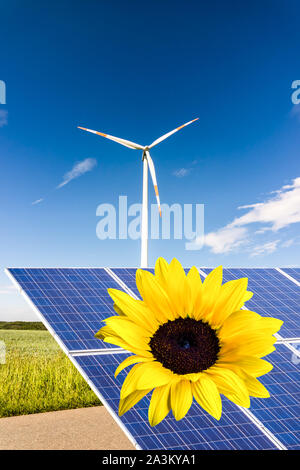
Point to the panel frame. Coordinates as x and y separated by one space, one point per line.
288 276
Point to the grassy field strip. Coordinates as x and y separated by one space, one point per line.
38 377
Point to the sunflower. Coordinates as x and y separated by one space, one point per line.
190 340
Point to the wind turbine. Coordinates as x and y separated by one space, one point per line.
147 162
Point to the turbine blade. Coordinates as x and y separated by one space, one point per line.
165 136
153 176
126 143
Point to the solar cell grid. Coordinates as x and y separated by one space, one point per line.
197 431
75 300
294 272
127 275
274 295
281 412
72 301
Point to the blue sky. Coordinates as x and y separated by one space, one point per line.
137 70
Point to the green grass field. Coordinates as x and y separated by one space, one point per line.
22 325
38 377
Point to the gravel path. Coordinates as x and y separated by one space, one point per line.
84 428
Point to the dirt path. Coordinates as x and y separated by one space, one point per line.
84 428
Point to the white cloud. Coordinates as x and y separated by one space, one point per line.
266 248
279 211
225 239
262 230
78 169
38 201
288 243
181 172
3 117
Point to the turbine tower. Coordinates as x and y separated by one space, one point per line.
147 162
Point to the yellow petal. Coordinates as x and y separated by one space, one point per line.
247 322
155 296
211 290
181 398
104 331
207 395
229 300
118 310
129 361
252 365
160 404
230 385
117 341
257 345
270 325
239 322
178 289
134 309
145 375
131 400
254 387
196 292
247 296
161 271
131 333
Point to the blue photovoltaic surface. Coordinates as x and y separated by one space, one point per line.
294 272
197 430
281 412
73 301
274 295
127 275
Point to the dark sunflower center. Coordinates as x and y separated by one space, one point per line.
185 345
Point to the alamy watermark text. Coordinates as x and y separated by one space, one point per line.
178 222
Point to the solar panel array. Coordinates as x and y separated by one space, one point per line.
275 296
293 272
197 431
72 302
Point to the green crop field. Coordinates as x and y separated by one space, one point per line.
37 376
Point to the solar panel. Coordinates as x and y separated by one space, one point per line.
293 272
127 275
198 430
72 303
281 412
274 295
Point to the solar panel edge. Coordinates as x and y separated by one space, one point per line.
288 276
291 347
36 311
72 358
104 402
47 324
